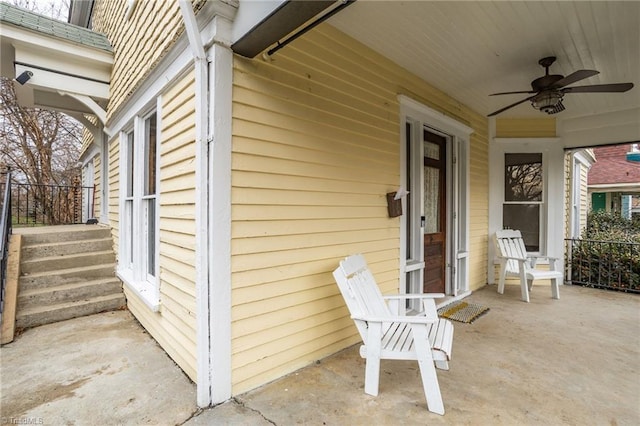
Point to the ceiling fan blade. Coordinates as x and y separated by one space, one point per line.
510 106
600 88
572 78
512 93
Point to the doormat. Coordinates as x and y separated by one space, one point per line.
462 311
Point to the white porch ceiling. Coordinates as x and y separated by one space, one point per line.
472 49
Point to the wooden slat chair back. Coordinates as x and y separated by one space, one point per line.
515 262
387 335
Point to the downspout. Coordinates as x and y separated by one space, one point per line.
204 382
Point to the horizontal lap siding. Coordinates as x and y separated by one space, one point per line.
97 182
114 184
315 150
525 127
137 46
174 326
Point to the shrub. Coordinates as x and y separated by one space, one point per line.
612 258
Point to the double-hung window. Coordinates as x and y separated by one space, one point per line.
138 241
523 197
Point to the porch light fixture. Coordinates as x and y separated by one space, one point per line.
548 101
24 77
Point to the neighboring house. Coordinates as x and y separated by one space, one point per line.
614 180
234 181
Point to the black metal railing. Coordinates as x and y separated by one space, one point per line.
611 265
51 204
5 232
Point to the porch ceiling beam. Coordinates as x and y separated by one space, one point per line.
609 128
289 16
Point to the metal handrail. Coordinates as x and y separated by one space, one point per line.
5 232
39 204
613 265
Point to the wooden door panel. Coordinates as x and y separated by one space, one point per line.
434 269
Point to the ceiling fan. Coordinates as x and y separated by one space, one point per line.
549 90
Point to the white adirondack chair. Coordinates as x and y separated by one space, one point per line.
386 335
514 262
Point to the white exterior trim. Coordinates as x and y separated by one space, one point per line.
614 187
213 79
220 144
579 159
436 119
457 134
203 385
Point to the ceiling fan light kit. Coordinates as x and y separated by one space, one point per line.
549 90
549 102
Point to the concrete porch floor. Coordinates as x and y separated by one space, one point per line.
570 361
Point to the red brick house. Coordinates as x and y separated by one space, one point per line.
614 179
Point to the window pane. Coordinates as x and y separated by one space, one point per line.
129 171
151 236
128 213
409 196
523 177
526 219
150 155
431 200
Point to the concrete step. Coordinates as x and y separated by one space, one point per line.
64 276
39 315
65 248
68 292
53 234
53 263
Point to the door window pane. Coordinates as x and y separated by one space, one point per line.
431 200
431 150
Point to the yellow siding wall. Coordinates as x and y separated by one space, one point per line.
316 146
138 48
585 201
97 182
568 202
114 185
174 326
87 137
525 127
584 193
137 45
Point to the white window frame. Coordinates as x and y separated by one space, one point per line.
540 203
579 161
552 214
457 250
133 264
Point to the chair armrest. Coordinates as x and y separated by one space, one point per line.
512 258
403 319
428 302
542 257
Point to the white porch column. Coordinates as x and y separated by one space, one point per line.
213 77
220 91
